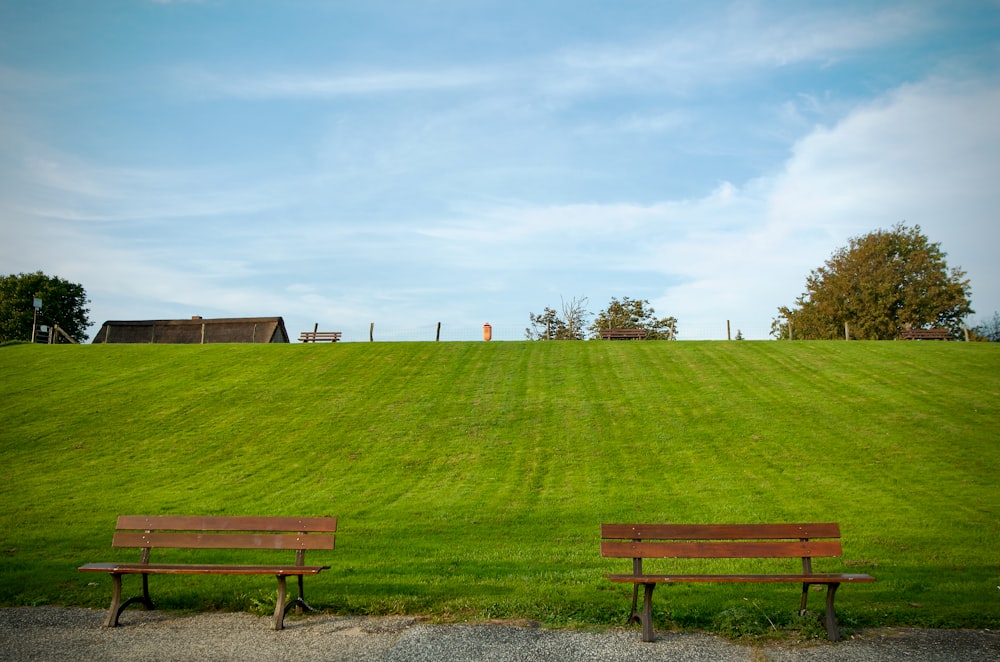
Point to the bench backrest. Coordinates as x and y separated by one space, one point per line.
718 541
193 532
623 333
320 335
929 334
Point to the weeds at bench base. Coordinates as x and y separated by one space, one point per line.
751 622
260 603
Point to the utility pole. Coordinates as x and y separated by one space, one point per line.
34 318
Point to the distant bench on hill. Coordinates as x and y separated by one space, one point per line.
623 334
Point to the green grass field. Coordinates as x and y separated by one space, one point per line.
470 479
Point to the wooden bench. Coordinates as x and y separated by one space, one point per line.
924 334
319 336
257 533
725 541
623 334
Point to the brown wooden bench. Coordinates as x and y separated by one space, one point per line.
623 334
924 334
258 533
725 541
319 336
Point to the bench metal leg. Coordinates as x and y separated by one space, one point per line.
279 606
832 631
647 613
634 616
116 609
645 617
300 602
116 596
829 617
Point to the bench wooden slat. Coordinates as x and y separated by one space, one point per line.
195 523
821 578
202 569
222 540
720 531
721 550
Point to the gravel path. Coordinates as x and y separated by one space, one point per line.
54 633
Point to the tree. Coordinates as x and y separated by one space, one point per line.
63 303
634 314
879 284
546 326
549 326
988 330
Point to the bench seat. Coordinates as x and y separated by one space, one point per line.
201 569
825 578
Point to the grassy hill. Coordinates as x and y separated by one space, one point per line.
470 479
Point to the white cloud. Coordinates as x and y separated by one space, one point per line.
927 155
924 154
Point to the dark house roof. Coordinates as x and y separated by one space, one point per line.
195 331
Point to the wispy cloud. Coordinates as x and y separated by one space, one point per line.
727 46
61 186
300 85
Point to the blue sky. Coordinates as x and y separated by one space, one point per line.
469 161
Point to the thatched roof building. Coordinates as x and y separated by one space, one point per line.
195 331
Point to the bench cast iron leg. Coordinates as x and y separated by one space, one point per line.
647 613
116 609
116 596
279 606
634 617
832 631
299 603
805 597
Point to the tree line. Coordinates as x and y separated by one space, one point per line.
877 286
571 322
62 303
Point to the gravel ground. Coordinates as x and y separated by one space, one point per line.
54 633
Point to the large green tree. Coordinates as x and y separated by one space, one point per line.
634 314
877 285
63 303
